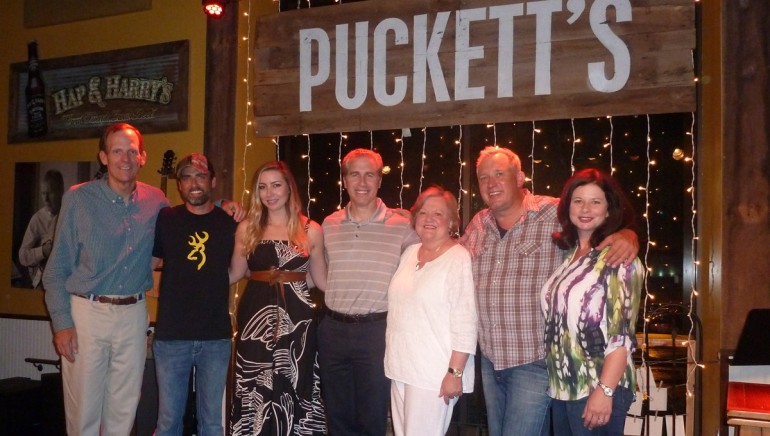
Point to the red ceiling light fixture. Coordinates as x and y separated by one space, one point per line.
214 8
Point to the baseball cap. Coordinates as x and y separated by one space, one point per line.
195 160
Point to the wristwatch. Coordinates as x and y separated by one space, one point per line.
608 391
455 372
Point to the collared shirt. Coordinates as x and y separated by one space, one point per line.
103 246
362 258
590 311
509 272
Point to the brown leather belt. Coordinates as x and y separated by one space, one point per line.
274 276
117 301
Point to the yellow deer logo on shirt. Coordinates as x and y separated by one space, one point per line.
198 243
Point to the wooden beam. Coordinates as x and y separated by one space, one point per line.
220 107
710 215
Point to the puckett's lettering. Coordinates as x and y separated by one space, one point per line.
99 90
324 54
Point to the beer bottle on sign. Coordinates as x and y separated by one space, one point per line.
37 119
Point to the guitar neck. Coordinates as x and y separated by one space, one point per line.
166 170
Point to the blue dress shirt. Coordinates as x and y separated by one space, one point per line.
102 246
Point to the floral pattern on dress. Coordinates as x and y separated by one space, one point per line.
277 383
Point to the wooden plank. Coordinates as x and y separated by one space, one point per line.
659 38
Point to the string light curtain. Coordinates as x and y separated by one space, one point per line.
645 153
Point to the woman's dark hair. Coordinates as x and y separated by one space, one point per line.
619 210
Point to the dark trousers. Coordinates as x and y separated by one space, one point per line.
353 382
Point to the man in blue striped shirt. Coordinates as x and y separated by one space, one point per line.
95 281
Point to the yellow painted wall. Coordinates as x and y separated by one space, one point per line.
167 20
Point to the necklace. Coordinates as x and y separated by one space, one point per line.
432 255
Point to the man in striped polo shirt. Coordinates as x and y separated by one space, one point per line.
363 244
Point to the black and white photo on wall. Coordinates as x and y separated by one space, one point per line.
38 191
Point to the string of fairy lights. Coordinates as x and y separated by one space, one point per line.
647 295
245 42
574 146
339 162
536 147
608 145
402 167
310 198
532 157
461 163
422 156
691 334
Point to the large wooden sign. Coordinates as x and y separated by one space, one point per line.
145 86
383 64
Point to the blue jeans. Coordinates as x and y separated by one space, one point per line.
567 418
354 386
174 361
517 399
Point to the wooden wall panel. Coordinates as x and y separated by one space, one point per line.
746 164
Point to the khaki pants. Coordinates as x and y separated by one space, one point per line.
102 386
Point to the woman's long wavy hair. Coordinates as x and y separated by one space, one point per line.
619 209
258 218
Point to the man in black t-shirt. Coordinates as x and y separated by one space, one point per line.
195 242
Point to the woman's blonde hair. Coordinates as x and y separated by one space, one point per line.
258 218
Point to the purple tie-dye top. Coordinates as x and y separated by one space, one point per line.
590 311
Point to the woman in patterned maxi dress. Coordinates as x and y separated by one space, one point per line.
277 386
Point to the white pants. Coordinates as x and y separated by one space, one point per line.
419 412
102 386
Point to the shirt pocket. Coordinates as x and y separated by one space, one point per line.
527 248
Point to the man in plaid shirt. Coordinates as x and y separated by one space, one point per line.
513 256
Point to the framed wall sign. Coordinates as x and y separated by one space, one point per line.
146 86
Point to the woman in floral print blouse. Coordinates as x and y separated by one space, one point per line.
590 311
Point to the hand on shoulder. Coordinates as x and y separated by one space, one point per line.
402 212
